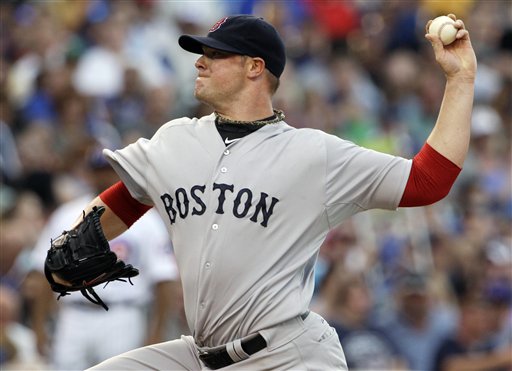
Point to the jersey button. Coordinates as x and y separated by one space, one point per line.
226 152
224 170
215 227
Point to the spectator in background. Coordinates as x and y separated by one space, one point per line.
21 221
470 348
497 292
86 334
498 295
51 84
17 342
348 309
100 69
417 326
10 164
338 248
32 52
40 163
127 108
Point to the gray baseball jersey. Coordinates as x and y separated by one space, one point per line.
247 220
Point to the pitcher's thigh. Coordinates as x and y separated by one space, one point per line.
179 354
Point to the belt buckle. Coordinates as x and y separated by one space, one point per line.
202 352
211 359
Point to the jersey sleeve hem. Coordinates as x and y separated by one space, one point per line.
119 165
402 182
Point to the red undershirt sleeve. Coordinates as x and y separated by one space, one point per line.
431 178
120 201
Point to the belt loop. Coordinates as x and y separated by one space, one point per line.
235 350
237 346
305 315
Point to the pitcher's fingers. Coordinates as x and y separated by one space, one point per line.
436 42
459 24
452 16
428 25
461 34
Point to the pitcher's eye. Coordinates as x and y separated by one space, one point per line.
217 54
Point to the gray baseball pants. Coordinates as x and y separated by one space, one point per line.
297 344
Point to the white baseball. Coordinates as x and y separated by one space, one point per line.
444 28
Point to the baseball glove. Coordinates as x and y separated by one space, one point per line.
81 258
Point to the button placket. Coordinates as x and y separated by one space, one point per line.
207 265
224 168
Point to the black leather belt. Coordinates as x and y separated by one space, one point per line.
220 358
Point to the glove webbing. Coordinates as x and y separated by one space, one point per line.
90 294
95 298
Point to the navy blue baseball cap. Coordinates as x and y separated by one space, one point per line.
244 35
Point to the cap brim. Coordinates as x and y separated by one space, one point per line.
194 44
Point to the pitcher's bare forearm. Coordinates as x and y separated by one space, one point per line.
111 224
451 134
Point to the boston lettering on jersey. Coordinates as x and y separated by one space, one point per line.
184 202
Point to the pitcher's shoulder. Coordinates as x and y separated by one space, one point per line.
308 135
181 121
186 123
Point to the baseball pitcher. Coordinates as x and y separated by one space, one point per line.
248 200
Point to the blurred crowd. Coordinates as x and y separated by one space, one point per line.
425 288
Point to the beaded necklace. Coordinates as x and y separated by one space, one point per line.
278 116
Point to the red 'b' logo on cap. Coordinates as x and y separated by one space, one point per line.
217 25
